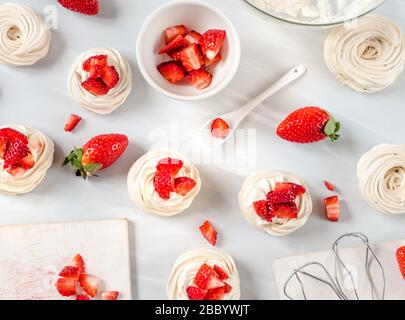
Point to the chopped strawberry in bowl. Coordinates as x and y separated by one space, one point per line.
206 50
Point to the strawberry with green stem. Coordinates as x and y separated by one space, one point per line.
98 154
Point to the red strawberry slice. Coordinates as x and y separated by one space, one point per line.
285 192
82 297
66 287
287 211
264 210
207 278
329 186
200 79
192 58
164 183
216 294
96 86
221 273
110 295
220 128
184 185
172 71
100 60
78 262
401 260
72 122
177 43
169 164
96 71
87 7
172 32
70 272
193 37
209 62
110 76
211 42
3 146
209 233
195 293
332 208
89 284
175 55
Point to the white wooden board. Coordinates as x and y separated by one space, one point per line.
354 258
31 257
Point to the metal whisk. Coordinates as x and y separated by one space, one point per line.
334 282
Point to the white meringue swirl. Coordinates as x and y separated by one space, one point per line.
142 190
257 186
42 149
367 57
186 267
25 37
115 97
381 177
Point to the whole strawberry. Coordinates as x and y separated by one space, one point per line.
97 154
87 7
309 125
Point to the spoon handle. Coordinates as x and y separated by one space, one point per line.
291 76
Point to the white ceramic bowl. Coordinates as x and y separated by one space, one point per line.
196 15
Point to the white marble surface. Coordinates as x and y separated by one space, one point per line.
37 96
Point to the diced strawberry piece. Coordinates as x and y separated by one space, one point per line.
172 165
209 233
286 211
209 62
183 186
332 208
220 128
192 58
228 288
70 272
95 86
110 295
66 287
172 71
221 273
202 274
200 79
164 183
110 77
89 284
172 32
82 297
329 186
193 37
175 55
195 293
100 60
401 260
3 146
285 192
27 162
264 210
216 294
177 43
78 262
211 42
207 278
96 71
72 122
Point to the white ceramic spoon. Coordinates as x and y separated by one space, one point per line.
234 118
